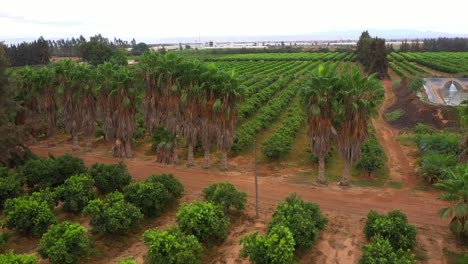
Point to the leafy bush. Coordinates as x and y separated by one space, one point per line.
303 219
77 192
65 243
372 157
11 185
381 251
393 227
110 178
172 184
48 195
12 258
113 214
3 237
172 247
434 166
28 215
444 143
205 221
129 260
226 196
277 247
52 172
149 197
395 115
423 129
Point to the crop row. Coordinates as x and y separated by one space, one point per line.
432 63
304 56
252 103
397 70
280 143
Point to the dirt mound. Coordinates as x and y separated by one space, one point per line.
416 111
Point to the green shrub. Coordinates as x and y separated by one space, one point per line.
150 197
205 221
48 195
28 215
65 243
110 178
373 156
277 247
113 214
444 143
12 258
52 172
434 166
11 185
172 184
3 237
395 115
129 260
172 247
303 219
423 129
77 192
226 196
393 227
381 251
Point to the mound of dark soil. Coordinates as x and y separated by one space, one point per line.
416 111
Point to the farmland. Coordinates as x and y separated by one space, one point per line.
272 121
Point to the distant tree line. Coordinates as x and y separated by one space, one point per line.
372 54
28 53
440 44
71 47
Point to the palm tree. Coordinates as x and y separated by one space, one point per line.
29 113
44 80
359 96
319 97
455 188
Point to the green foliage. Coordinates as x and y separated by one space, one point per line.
225 195
416 84
11 185
110 178
140 48
277 247
77 192
129 260
3 237
29 215
455 188
423 129
150 197
205 221
434 166
96 51
395 115
442 142
12 258
280 143
119 57
65 243
380 251
113 214
303 219
172 184
161 138
172 247
393 227
372 156
52 172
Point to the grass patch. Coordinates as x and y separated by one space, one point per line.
420 254
455 258
395 115
395 185
396 84
406 140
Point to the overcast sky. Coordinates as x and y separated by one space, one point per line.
155 19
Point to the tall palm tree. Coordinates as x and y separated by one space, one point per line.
359 95
44 79
455 188
320 98
29 113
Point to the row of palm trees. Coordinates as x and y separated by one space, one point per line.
193 101
338 108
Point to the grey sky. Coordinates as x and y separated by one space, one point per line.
186 18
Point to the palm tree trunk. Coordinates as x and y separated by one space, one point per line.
224 161
76 145
128 149
321 170
89 143
206 163
175 154
346 173
191 161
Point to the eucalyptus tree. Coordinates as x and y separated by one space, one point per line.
319 95
44 83
359 96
